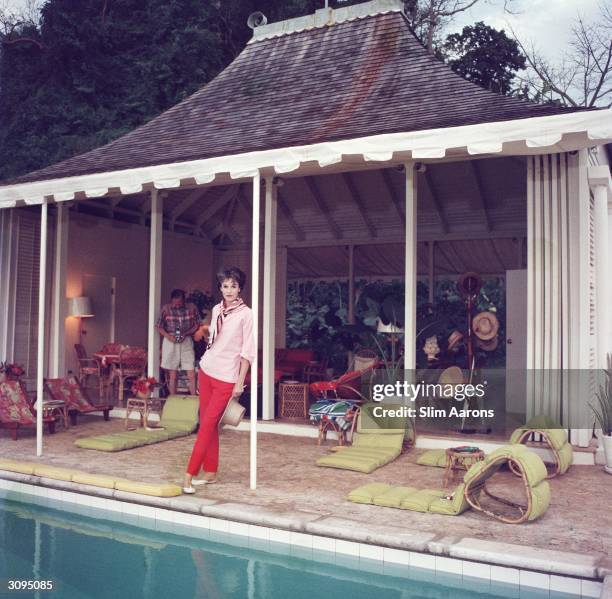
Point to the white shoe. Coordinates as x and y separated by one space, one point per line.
203 481
189 490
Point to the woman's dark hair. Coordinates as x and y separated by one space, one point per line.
233 273
177 293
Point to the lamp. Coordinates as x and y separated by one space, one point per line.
80 307
390 329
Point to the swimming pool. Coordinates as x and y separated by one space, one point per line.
86 556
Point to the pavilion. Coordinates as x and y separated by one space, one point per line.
357 138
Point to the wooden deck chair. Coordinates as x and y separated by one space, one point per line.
545 433
534 486
70 391
15 410
375 444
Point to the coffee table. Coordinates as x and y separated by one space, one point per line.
458 462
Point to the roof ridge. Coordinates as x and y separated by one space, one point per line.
326 17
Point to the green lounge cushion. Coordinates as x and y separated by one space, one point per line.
421 500
433 457
457 504
179 418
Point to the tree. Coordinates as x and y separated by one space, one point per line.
484 56
583 77
429 17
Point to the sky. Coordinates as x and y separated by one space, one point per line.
547 23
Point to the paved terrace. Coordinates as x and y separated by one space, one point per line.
293 493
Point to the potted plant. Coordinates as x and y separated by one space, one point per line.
143 386
11 372
603 413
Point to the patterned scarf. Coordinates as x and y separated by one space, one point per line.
224 312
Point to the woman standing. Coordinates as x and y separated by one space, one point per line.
223 368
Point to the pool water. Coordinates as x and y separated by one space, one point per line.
95 557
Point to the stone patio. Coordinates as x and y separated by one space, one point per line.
289 483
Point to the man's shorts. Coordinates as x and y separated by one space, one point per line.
178 356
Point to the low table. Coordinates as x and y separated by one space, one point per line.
458 461
144 406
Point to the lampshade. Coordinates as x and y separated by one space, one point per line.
388 328
80 306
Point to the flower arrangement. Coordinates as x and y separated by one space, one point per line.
144 385
11 371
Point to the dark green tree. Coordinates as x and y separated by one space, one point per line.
484 56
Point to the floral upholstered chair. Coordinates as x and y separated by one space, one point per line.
70 391
15 410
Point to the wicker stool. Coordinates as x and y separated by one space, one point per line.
144 406
458 462
293 399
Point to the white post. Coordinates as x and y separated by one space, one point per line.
58 304
255 308
281 298
351 284
410 281
7 307
269 296
599 180
431 277
155 265
40 362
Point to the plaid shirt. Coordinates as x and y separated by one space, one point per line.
186 319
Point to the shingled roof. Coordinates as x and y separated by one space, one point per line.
362 76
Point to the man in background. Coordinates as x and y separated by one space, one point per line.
176 324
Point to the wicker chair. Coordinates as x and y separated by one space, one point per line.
132 365
90 367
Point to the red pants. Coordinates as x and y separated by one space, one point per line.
214 397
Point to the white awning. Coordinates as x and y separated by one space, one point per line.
557 133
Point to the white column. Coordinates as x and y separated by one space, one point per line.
7 307
281 297
410 282
431 268
351 284
40 365
255 308
269 297
155 265
600 182
58 302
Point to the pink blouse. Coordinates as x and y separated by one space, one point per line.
222 360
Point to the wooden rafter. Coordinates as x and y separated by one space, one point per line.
288 215
189 200
359 202
323 207
213 208
395 199
481 201
435 201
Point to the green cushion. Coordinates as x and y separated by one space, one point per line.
105 443
366 493
421 500
566 455
365 464
393 497
433 457
369 424
540 500
181 408
387 441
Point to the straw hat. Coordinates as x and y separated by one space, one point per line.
451 376
469 283
487 345
454 339
233 414
485 326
